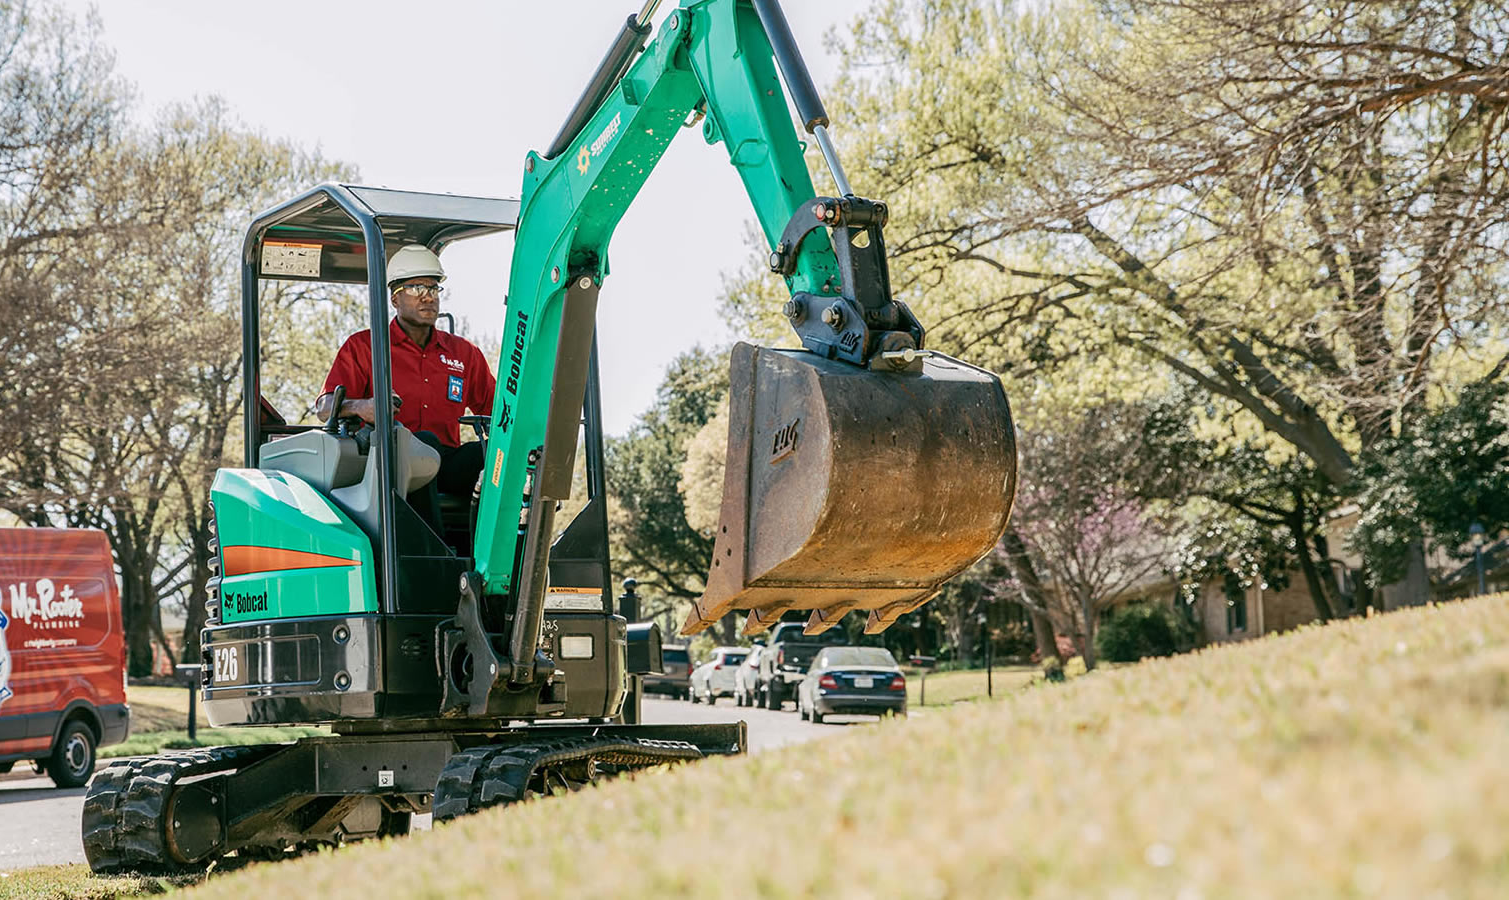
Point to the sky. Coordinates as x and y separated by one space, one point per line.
448 96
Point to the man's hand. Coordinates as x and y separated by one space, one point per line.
364 408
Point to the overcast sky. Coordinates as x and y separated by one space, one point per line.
487 81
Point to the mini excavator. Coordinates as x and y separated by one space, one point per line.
483 662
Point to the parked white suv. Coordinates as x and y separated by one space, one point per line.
715 678
747 677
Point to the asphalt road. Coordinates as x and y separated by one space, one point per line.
39 824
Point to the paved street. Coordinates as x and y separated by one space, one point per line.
39 824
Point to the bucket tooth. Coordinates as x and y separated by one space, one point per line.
761 620
885 617
849 488
823 619
696 623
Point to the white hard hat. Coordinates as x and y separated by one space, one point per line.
414 261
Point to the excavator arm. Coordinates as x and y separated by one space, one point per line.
860 412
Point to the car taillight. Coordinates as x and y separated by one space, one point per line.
827 681
780 656
898 683
717 665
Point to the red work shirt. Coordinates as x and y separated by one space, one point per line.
437 382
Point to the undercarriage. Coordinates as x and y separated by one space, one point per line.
184 810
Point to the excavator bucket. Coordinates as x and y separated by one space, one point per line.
849 488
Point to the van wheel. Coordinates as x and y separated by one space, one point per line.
772 696
72 760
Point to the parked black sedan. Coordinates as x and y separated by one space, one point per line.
846 680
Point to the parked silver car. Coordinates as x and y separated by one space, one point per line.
846 680
715 678
747 677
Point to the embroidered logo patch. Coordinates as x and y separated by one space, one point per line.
453 389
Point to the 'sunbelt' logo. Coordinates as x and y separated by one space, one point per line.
587 154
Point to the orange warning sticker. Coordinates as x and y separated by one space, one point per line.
497 466
282 259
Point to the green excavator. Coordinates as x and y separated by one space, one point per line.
479 660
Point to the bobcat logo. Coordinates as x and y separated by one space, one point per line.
5 691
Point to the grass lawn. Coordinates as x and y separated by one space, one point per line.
161 709
967 684
157 741
159 721
1360 759
75 883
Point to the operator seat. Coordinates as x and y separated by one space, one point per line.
335 466
415 463
324 460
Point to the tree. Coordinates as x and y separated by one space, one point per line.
1081 523
650 536
62 107
1449 470
701 483
1280 498
126 389
1295 208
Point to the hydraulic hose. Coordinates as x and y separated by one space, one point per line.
629 41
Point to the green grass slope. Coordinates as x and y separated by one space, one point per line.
944 688
1360 759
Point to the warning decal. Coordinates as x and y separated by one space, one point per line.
282 259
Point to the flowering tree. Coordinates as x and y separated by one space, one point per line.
1087 535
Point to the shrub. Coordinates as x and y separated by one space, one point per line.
1141 630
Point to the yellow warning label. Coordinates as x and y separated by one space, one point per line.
285 258
497 467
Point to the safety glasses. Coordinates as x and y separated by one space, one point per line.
424 290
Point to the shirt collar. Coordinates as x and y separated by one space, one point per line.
396 335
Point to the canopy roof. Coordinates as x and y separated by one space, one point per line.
322 228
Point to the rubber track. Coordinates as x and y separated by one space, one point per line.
127 801
492 775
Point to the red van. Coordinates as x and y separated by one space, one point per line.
62 652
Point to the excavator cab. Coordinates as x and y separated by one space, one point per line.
316 532
343 234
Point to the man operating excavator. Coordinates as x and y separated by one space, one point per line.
436 375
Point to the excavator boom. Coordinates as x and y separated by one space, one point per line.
863 470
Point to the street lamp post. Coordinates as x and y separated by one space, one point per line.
985 632
1479 535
